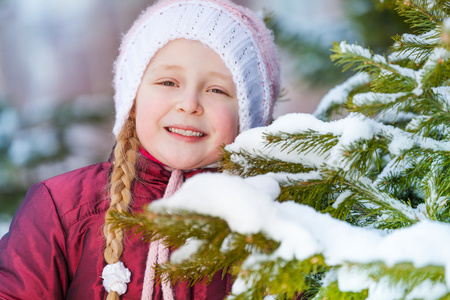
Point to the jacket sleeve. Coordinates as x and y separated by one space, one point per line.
32 253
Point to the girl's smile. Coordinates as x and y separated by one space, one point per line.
186 105
186 132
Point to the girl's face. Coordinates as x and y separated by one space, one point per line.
186 105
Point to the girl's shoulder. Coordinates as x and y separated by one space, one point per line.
83 178
77 194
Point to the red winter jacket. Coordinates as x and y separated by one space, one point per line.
54 249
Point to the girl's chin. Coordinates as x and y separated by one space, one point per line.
189 165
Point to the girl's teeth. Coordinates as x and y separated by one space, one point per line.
185 132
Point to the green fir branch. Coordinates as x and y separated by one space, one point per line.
404 182
380 109
434 117
413 45
211 257
316 193
434 126
417 14
302 142
365 156
405 274
437 76
366 205
403 186
173 228
411 185
283 279
332 292
176 228
430 104
334 111
401 277
252 164
358 62
337 110
392 83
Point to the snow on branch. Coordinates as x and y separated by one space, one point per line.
361 51
355 127
339 94
249 206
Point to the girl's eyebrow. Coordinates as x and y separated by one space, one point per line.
220 75
172 67
167 67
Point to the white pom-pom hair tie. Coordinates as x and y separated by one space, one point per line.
115 278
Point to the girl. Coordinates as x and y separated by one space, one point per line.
191 75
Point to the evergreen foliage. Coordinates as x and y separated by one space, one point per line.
381 164
310 51
37 142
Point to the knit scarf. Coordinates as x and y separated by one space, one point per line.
158 253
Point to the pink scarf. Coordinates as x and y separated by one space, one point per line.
157 252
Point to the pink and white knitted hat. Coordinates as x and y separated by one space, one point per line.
232 31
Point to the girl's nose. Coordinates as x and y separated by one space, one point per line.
189 102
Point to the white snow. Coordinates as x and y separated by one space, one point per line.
437 56
392 115
250 214
348 130
427 290
352 279
443 93
431 3
404 54
186 251
372 98
406 72
341 198
239 286
339 93
249 206
356 49
392 168
446 24
361 51
430 37
352 128
253 140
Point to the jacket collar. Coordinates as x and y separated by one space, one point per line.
147 168
145 165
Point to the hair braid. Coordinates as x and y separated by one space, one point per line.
122 176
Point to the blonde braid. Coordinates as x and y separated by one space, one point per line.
122 176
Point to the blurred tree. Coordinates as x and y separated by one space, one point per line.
371 23
384 167
44 138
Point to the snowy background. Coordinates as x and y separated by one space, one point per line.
56 58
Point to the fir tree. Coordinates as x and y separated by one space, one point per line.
351 203
310 51
43 138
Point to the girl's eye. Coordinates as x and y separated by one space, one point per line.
169 83
217 91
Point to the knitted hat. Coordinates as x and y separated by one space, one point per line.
235 33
